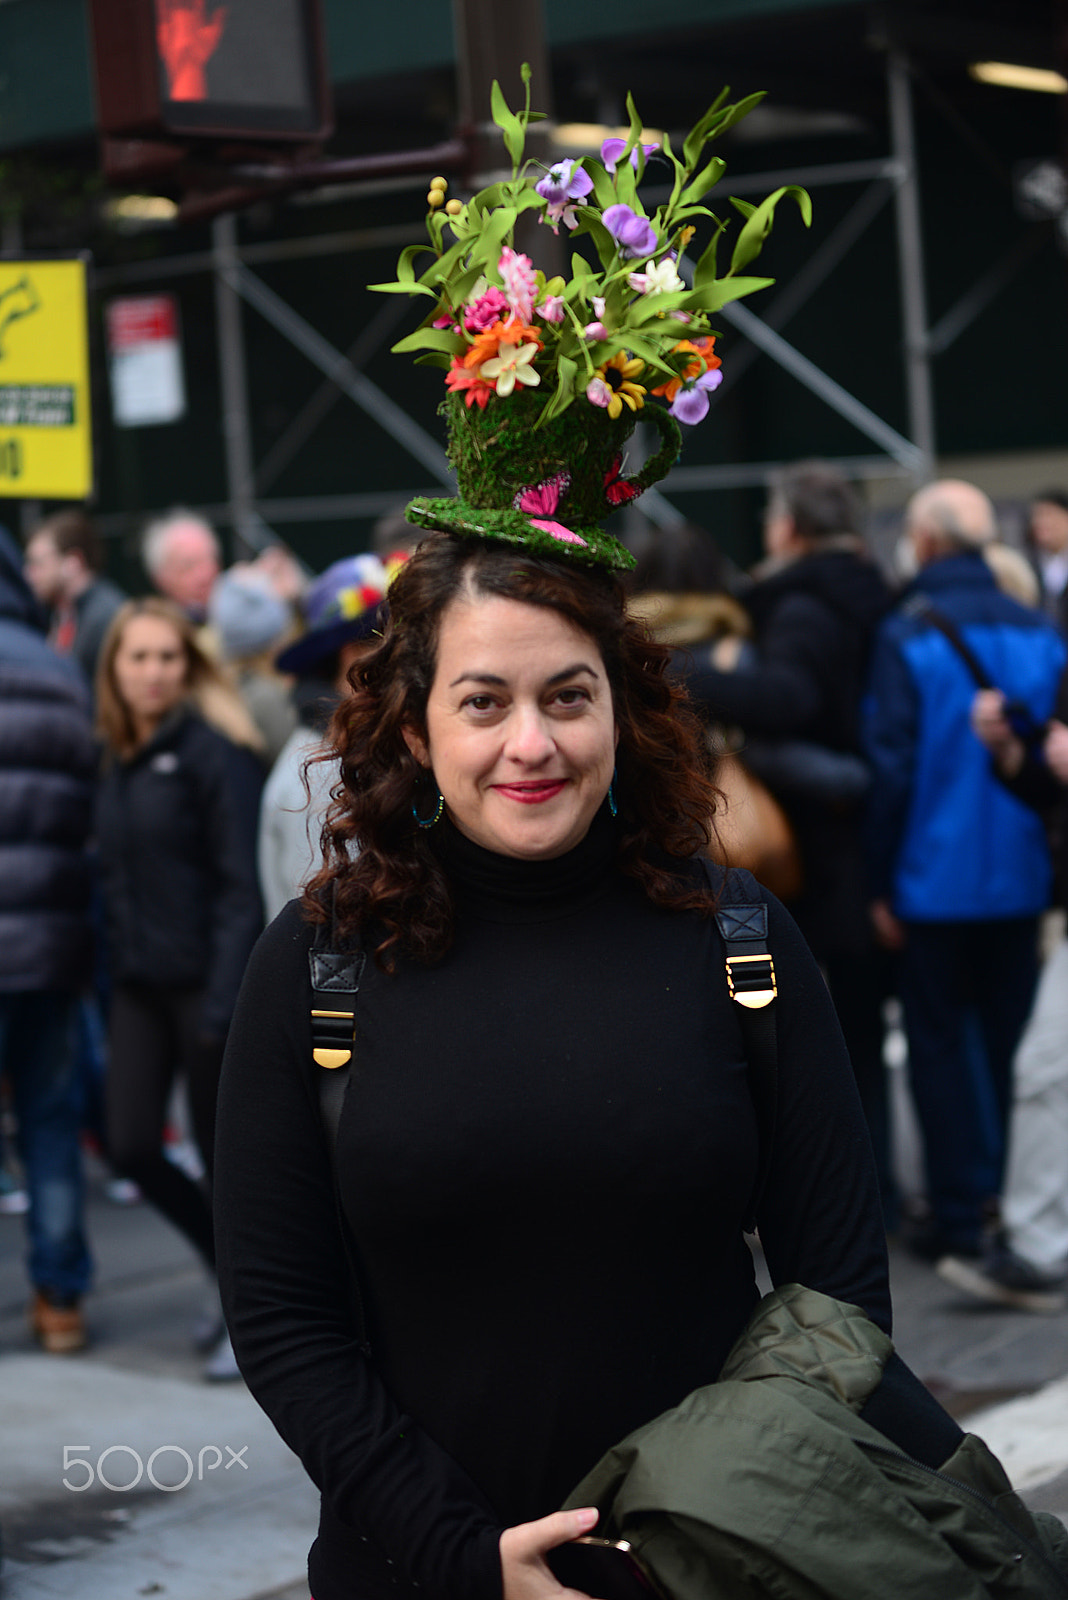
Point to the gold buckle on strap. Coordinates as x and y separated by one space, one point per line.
753 989
321 1054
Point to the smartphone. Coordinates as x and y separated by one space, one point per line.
606 1569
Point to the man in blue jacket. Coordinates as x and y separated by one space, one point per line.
960 868
47 766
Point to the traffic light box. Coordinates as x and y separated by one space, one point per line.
210 69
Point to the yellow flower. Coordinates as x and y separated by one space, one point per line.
617 374
511 365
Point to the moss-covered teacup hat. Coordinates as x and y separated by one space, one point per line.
547 378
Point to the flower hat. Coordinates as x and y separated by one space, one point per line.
547 378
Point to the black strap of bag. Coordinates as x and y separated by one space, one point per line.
1023 724
335 983
742 919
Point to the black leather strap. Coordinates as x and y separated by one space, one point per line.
742 920
335 985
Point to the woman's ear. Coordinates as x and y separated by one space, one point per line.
416 744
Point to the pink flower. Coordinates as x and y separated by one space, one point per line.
520 283
598 393
557 213
444 321
485 311
551 308
595 330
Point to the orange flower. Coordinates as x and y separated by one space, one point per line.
485 345
702 360
460 378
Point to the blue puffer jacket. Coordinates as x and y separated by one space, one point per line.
47 763
945 840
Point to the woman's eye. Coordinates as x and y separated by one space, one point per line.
572 696
479 702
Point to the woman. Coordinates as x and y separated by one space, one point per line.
549 1148
176 828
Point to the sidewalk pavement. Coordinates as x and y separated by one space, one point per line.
177 1489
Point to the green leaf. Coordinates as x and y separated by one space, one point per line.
589 222
704 181
402 288
650 306
430 339
695 139
510 125
433 359
567 371
750 241
729 289
626 184
603 188
705 270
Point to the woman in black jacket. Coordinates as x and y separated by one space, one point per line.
176 828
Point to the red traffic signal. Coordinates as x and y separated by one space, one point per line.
224 69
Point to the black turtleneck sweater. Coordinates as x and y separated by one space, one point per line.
545 1157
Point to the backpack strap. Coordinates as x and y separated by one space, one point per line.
335 984
742 920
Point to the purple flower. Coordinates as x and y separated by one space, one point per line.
566 181
635 234
691 403
612 149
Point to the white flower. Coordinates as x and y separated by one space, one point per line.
659 277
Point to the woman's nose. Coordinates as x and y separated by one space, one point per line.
529 737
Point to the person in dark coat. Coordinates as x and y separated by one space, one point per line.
46 795
63 567
815 605
176 828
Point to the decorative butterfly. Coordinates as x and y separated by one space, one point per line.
542 500
618 490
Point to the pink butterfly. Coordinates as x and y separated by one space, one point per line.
543 499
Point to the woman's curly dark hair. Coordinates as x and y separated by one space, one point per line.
396 885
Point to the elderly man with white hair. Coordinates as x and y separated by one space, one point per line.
182 557
959 868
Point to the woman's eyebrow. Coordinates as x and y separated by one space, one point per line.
499 683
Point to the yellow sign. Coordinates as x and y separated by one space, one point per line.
45 438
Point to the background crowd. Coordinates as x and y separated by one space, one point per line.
893 747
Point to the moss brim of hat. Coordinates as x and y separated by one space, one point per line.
463 521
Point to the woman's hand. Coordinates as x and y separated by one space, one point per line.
526 1573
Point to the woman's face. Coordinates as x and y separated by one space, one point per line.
150 669
521 735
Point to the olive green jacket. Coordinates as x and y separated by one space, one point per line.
768 1484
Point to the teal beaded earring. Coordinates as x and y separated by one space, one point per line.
428 822
613 808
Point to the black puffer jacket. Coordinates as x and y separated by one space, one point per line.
176 827
47 764
814 620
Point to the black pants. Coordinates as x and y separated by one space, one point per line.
153 1036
